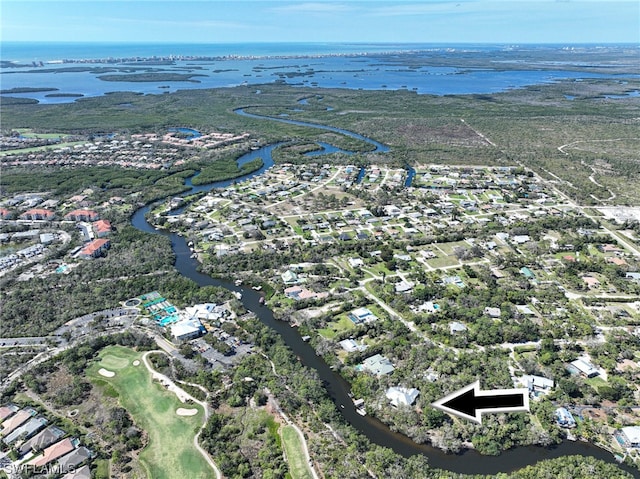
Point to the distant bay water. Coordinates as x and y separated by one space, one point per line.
62 70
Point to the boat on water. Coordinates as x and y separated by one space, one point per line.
237 294
238 282
359 404
261 300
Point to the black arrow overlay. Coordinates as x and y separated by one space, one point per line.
469 402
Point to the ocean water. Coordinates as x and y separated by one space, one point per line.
323 65
53 51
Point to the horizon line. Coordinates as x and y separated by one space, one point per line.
179 42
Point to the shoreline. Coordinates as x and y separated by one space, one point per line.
163 59
393 49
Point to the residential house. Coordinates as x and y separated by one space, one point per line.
351 345
527 273
617 261
17 420
299 293
362 315
584 368
428 307
378 365
564 418
53 452
75 458
289 277
404 286
83 473
630 436
520 239
492 312
608 248
456 327
402 396
41 440
27 430
591 282
356 262
534 383
8 411
455 280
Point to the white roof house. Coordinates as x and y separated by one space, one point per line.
632 435
356 262
456 327
350 345
585 368
520 239
535 382
404 286
289 277
402 396
362 315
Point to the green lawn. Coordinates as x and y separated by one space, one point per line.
170 452
335 327
442 261
298 467
20 151
595 382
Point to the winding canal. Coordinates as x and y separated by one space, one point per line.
468 462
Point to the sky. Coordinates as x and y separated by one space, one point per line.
383 21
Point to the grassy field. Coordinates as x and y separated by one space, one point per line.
333 328
21 151
298 467
170 452
442 261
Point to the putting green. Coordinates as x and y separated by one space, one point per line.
171 452
112 362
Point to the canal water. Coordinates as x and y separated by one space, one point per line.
468 462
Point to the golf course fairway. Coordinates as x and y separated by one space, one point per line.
171 452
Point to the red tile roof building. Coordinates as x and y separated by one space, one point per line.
95 248
82 215
53 452
15 421
102 228
7 411
38 214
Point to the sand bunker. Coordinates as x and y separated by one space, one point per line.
136 363
186 412
106 373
